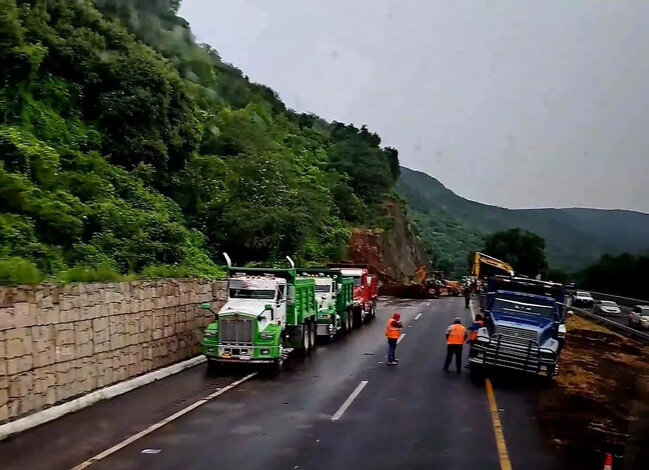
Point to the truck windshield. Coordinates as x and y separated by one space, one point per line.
357 281
322 289
266 294
540 307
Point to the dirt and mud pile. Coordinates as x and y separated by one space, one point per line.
600 401
394 253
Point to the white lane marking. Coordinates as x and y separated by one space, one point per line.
401 337
337 415
418 316
158 425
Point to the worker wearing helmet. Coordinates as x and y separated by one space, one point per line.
392 332
455 338
473 333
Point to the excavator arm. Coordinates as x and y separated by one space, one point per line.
491 261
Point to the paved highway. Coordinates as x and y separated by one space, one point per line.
342 408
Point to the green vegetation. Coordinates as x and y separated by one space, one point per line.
524 250
624 275
575 238
126 149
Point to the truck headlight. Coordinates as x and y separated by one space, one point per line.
482 339
548 355
266 335
325 316
562 331
211 334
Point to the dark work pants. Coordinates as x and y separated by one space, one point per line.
466 301
452 349
392 349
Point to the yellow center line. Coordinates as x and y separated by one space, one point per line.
503 456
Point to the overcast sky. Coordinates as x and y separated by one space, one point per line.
520 103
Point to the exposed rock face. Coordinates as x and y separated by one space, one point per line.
393 253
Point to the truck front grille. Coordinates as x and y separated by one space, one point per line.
236 330
516 335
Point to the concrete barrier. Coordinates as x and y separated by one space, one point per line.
59 343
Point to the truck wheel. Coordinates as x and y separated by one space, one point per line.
350 322
277 367
374 308
358 318
312 333
306 339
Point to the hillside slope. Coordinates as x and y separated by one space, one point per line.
126 148
574 237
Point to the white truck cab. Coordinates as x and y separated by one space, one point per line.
248 299
325 290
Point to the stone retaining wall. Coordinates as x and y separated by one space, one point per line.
60 342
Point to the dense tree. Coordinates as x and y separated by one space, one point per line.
125 147
622 275
524 250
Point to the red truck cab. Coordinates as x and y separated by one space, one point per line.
366 291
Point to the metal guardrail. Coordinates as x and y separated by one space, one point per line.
613 325
619 299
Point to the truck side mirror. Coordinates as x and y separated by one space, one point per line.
208 306
268 308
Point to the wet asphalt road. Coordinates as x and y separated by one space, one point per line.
410 416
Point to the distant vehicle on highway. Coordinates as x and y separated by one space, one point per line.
639 316
606 307
583 299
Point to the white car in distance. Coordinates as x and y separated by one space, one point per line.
639 317
582 298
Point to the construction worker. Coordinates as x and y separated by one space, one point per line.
475 326
392 332
455 338
473 332
467 295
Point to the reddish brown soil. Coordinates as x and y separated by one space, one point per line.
600 401
393 253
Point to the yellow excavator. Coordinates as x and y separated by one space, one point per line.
436 285
490 261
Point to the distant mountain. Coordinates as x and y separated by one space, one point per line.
574 237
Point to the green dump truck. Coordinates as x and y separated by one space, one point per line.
335 299
269 313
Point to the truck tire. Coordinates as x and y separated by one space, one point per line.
276 367
313 335
349 322
374 302
306 339
358 317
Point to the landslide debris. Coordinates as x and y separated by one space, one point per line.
392 251
600 401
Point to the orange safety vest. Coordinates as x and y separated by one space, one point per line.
457 334
474 333
392 332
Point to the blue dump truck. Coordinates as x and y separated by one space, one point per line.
524 327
